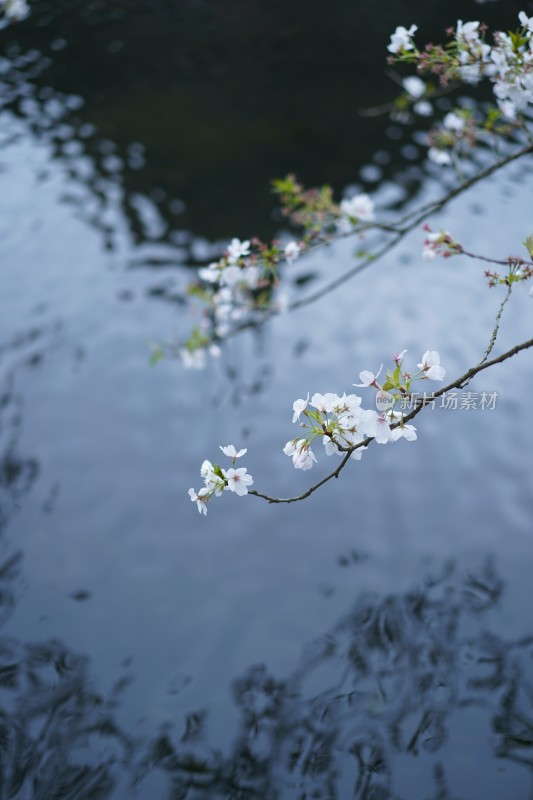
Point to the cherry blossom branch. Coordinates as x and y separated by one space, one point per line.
244 277
407 224
404 226
237 289
502 262
456 384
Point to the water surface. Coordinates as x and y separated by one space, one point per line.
373 641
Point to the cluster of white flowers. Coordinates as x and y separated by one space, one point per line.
234 281
342 423
218 480
508 64
234 277
14 10
235 285
512 71
473 53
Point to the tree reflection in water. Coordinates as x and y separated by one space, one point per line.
382 685
58 738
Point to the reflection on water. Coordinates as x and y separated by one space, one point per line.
17 472
138 135
193 108
401 680
402 698
59 738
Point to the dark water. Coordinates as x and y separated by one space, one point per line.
373 642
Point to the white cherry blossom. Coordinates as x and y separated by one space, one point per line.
467 31
302 455
359 207
399 356
401 39
330 447
213 482
231 452
349 403
206 469
431 365
325 403
230 276
368 378
404 431
291 251
238 480
349 425
378 427
200 499
210 274
440 157
526 22
358 454
299 407
508 109
238 249
453 122
305 458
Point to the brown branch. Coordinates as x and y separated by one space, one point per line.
501 262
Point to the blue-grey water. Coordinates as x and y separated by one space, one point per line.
374 641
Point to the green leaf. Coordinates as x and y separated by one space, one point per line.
517 40
196 340
529 245
156 356
285 185
195 290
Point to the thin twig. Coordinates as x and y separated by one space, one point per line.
492 341
501 262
